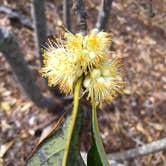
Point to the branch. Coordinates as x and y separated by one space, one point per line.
13 16
151 13
13 54
104 14
39 18
66 13
79 9
153 147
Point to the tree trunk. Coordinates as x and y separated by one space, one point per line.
66 13
104 14
13 54
78 6
39 18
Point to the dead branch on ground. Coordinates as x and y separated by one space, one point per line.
146 149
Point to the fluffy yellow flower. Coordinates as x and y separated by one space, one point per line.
60 69
73 42
97 44
104 82
88 50
77 55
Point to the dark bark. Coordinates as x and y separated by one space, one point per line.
146 149
78 6
13 54
66 13
39 18
16 16
151 13
104 15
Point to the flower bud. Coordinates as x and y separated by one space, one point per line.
95 73
107 81
95 31
86 82
79 72
105 72
100 80
92 55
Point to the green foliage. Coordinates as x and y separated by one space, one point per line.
51 151
75 158
93 157
61 148
96 155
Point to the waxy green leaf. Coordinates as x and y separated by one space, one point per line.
96 155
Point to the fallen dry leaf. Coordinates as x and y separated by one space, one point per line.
5 147
6 106
141 129
156 126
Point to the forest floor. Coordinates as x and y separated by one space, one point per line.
133 119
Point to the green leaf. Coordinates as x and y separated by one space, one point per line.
50 152
71 126
96 155
75 158
61 148
93 157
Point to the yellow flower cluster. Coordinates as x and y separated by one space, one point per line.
87 56
88 50
104 82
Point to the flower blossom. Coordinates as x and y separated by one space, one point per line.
87 56
60 69
104 82
88 50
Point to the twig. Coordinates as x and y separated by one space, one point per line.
39 18
79 8
104 14
151 13
66 13
13 54
14 15
153 147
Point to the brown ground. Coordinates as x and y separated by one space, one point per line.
135 118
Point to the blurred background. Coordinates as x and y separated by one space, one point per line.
137 117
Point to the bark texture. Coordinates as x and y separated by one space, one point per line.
13 54
16 16
103 16
79 8
39 18
66 13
